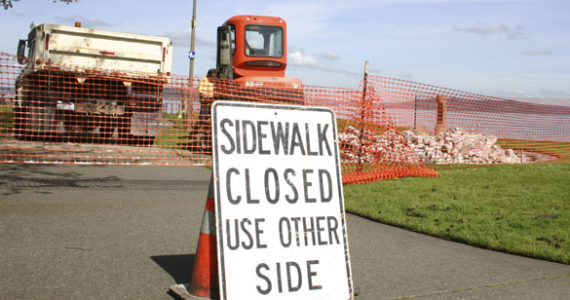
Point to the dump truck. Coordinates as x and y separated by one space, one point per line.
97 83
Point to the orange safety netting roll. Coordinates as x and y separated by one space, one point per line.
388 128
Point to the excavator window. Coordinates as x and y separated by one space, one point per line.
263 41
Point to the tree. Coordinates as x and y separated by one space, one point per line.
8 3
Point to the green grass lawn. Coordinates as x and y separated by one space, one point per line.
174 136
520 209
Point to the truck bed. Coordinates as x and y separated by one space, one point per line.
86 49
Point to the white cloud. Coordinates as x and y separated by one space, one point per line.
484 29
331 55
518 33
537 51
298 58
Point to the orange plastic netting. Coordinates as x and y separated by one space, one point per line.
387 127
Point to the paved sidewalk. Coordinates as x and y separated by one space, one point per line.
129 232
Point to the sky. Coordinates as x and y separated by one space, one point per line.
508 48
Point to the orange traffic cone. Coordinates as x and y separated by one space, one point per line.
204 282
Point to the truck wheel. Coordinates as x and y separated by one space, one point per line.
124 129
19 122
68 122
28 123
25 123
41 121
87 122
106 132
107 128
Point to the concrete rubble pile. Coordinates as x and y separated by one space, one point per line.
453 146
387 147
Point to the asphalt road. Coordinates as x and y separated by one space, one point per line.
129 232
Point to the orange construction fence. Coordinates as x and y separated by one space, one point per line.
388 128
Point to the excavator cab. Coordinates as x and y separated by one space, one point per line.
257 46
252 52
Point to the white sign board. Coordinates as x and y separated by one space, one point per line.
281 228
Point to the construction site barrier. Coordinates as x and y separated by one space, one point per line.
54 114
484 129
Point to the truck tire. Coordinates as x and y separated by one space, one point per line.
124 129
19 119
107 127
40 123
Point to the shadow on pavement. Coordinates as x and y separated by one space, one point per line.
178 266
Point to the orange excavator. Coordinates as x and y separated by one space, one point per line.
252 54
250 66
